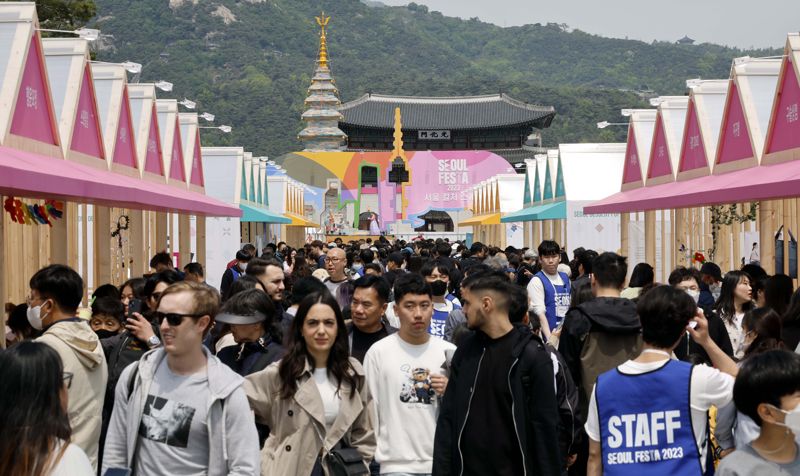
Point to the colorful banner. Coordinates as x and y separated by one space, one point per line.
38 214
439 180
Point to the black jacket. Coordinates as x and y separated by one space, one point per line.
536 414
690 351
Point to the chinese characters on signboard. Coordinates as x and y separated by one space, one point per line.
433 135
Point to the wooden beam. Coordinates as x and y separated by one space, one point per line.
5 271
162 232
184 241
102 246
84 212
138 242
650 237
624 224
200 241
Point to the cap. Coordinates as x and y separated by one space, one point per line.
712 270
236 319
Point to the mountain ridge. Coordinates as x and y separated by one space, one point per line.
250 62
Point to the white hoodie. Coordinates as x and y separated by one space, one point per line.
82 355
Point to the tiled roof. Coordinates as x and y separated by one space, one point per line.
452 113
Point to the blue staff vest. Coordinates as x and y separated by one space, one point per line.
646 422
439 318
556 298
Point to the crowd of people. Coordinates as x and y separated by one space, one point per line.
395 358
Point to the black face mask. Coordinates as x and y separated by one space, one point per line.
439 288
105 333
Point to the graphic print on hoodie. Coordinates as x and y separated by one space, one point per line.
174 423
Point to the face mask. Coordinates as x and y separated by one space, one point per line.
358 266
694 294
715 290
35 317
105 333
792 420
242 267
439 288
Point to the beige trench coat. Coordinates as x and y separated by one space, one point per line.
297 425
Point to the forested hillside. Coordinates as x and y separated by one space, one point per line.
250 61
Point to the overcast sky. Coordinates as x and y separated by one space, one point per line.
742 23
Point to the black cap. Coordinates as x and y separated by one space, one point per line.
712 270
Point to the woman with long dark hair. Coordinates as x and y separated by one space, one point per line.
315 399
735 299
642 276
35 435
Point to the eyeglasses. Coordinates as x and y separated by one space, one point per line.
174 319
67 378
332 260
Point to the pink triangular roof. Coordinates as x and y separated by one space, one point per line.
176 168
632 171
659 164
197 164
86 136
693 154
152 160
124 146
784 131
734 142
33 111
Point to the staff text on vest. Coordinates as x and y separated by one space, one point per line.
642 429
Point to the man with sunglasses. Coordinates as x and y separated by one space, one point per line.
55 294
180 411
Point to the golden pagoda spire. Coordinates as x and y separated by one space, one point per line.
322 21
398 136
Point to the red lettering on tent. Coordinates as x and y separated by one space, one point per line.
786 127
176 169
197 164
693 155
125 148
152 158
735 136
632 171
33 112
659 164
86 131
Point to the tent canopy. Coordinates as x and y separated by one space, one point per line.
547 211
26 174
253 213
488 219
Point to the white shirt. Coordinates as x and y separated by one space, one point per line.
709 387
405 407
536 292
734 328
73 462
330 399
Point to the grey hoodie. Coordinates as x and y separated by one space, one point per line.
233 441
82 355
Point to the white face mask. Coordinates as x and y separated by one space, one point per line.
35 317
694 294
792 420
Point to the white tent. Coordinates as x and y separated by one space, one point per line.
171 145
111 88
701 132
145 125
27 118
74 101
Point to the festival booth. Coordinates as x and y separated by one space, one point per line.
257 218
692 226
590 172
738 175
494 204
782 145
287 197
53 156
547 214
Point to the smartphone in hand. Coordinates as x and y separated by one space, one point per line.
135 305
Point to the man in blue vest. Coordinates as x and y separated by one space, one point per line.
234 272
648 416
549 289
